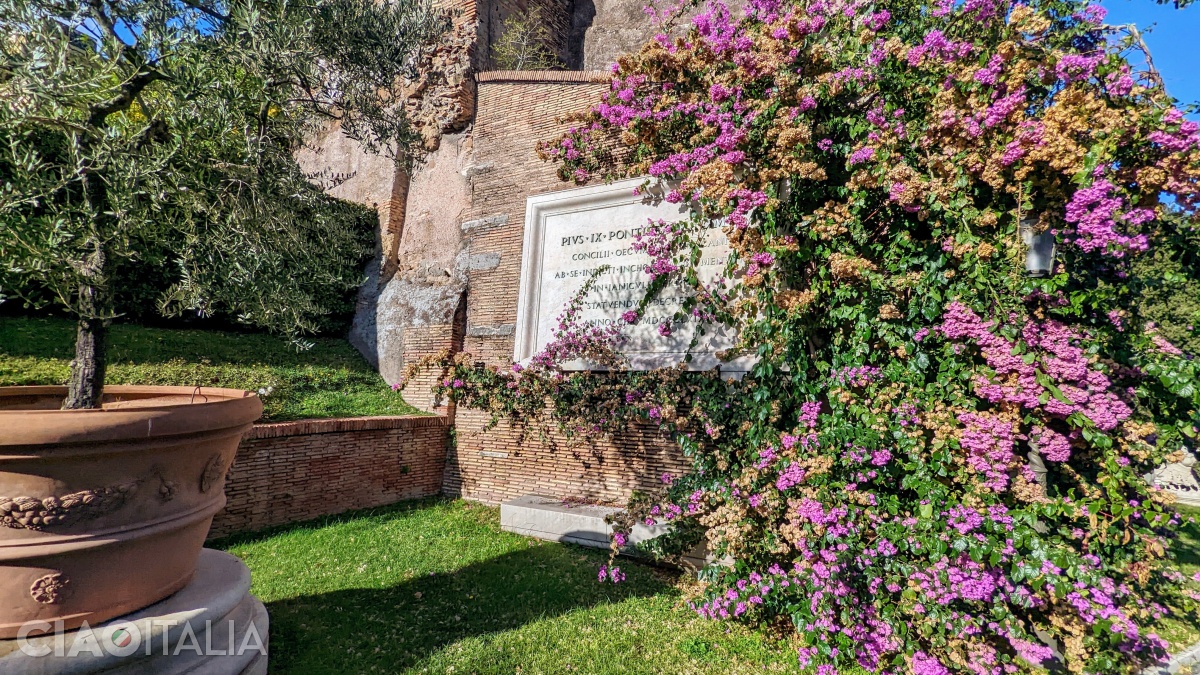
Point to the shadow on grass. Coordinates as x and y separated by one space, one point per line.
356 630
388 511
1186 546
392 628
54 338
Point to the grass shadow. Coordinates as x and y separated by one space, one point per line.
54 338
390 629
1186 546
384 590
398 509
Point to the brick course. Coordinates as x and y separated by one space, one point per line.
422 341
292 471
514 111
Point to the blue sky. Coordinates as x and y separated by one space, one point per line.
1173 36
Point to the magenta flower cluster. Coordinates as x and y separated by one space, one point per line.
1076 386
896 510
657 241
855 376
1100 220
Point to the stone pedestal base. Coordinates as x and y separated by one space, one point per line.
213 626
581 524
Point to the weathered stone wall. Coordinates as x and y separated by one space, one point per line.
606 29
426 251
617 27
422 284
421 341
441 98
349 172
556 13
504 464
453 284
417 280
586 34
515 111
451 236
288 472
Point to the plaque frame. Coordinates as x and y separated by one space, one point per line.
538 209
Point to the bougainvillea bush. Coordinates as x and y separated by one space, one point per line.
936 464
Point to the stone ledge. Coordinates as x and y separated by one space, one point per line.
545 76
1178 478
582 524
476 169
502 330
343 424
483 261
484 223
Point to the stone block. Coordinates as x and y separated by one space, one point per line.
503 330
476 169
483 261
582 524
1179 478
555 520
484 223
1182 663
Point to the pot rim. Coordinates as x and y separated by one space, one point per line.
34 428
220 393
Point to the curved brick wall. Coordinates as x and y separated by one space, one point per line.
292 471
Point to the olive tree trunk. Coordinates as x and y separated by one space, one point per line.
86 384
89 366
94 304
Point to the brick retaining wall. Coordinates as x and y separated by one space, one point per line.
514 111
292 471
299 470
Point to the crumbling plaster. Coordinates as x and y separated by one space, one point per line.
616 27
349 172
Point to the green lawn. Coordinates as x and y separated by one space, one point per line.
437 587
1186 548
329 380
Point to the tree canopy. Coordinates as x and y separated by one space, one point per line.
165 129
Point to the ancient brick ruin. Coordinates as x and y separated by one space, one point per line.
451 234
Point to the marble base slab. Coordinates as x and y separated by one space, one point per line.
213 626
1183 663
582 524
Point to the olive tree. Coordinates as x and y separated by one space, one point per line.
171 125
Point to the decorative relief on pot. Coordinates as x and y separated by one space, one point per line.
50 589
213 471
166 489
31 513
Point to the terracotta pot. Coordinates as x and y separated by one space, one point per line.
103 512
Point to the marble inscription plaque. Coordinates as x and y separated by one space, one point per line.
570 237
